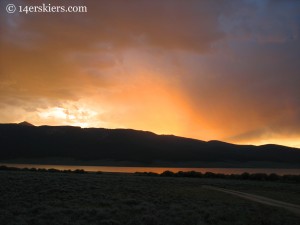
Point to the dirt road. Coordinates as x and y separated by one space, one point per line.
256 198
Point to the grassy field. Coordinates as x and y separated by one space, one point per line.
282 191
37 198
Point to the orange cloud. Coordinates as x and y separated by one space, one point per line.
197 69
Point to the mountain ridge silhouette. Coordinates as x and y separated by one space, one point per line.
19 141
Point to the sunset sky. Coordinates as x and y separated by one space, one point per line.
221 70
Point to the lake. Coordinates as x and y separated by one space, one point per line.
158 169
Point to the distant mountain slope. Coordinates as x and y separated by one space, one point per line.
25 123
19 141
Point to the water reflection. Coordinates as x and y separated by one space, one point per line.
158 169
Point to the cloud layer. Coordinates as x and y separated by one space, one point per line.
204 69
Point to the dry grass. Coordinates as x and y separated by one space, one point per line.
37 198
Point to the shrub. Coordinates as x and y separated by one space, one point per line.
167 173
79 171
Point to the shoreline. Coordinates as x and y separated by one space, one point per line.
225 165
167 173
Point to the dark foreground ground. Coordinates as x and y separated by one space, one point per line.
37 198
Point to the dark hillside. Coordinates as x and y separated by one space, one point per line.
19 141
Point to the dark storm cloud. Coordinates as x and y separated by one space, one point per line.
167 24
253 83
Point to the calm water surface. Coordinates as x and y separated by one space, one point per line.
158 169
